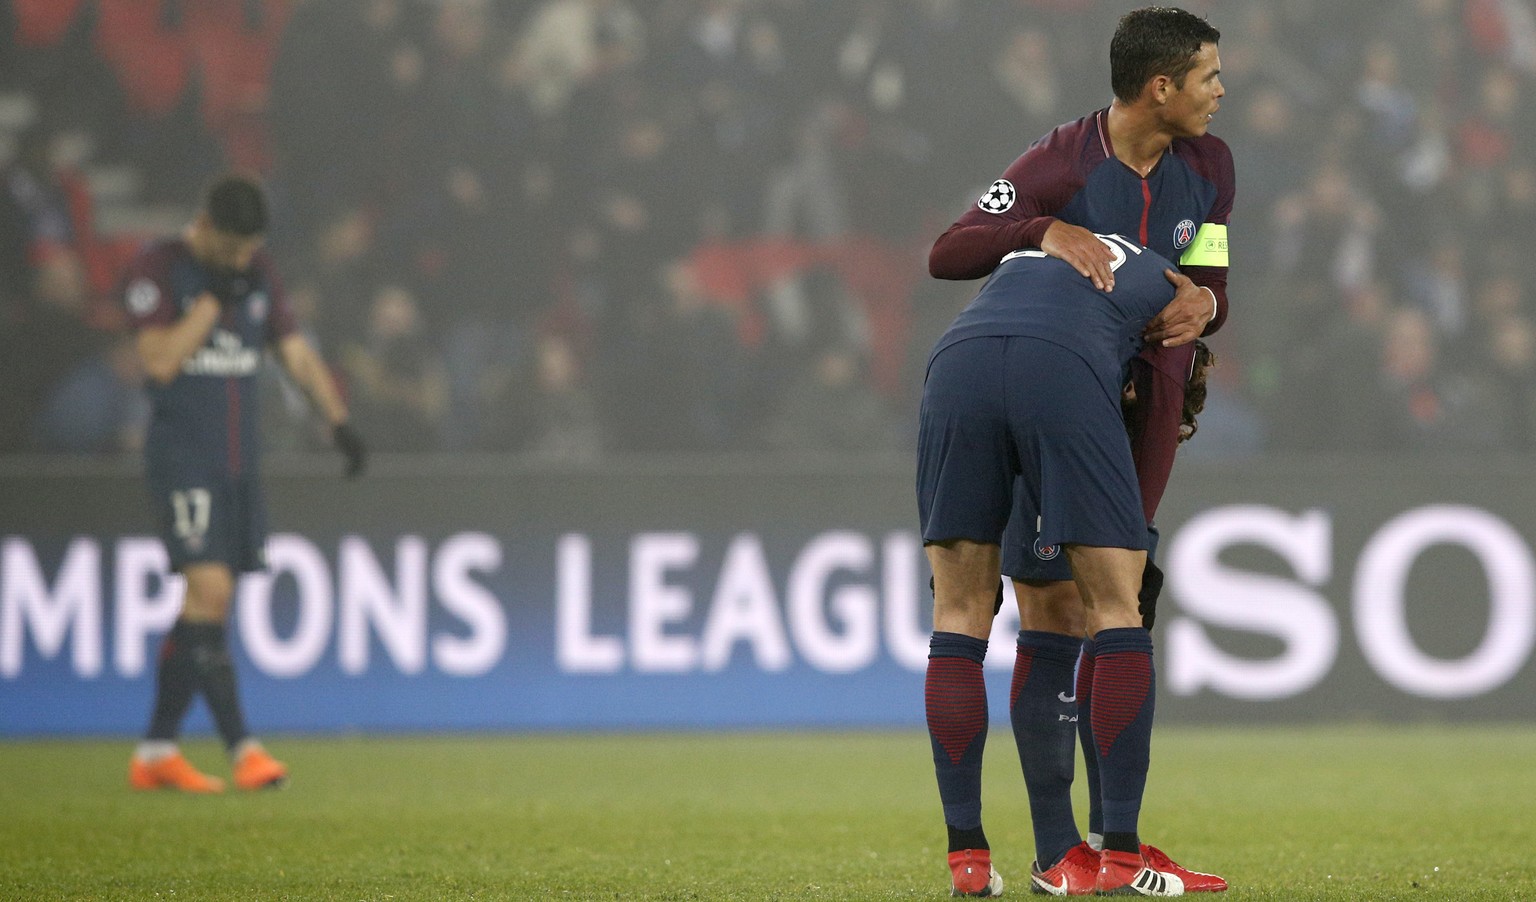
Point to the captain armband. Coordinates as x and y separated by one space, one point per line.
1209 248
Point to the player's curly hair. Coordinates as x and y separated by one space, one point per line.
1194 395
1152 41
1195 391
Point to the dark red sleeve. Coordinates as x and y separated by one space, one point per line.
281 321
145 290
1153 421
1042 180
1212 159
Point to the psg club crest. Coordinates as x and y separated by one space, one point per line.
1183 233
999 197
258 306
1046 552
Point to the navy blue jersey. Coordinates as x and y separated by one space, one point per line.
1180 210
205 420
1039 296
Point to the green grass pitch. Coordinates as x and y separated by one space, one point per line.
1357 813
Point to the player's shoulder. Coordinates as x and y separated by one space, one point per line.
1070 138
159 255
148 284
1208 154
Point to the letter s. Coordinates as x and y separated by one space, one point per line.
1234 599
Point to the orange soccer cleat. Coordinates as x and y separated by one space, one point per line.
971 874
255 769
171 772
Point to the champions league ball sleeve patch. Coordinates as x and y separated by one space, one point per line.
999 197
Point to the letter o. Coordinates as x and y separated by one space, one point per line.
293 657
1379 608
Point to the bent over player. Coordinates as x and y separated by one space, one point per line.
205 305
1025 386
1148 168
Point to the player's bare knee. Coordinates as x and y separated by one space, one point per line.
1108 579
1050 606
966 577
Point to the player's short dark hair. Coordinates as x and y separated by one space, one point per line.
1153 41
237 205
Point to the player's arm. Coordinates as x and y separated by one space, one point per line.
1017 211
299 358
164 348
1201 307
303 364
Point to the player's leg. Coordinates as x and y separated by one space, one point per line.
966 576
1043 712
964 474
1043 704
254 768
157 761
1124 700
1154 420
185 517
210 588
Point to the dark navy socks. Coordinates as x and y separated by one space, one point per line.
1122 702
1043 709
956 702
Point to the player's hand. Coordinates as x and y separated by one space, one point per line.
1083 249
350 444
1185 317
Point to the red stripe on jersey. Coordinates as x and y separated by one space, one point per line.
1146 208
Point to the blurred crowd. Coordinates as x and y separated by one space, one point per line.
578 228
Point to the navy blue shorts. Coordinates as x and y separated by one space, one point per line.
1020 561
998 409
206 519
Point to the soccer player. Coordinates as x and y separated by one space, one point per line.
204 306
1025 386
1146 167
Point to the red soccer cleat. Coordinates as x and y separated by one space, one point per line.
1127 874
971 874
1194 881
1076 874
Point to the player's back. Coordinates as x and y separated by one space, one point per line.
1039 296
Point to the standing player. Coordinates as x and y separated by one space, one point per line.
205 305
1145 167
1025 388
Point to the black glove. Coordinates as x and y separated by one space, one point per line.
350 444
1151 587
